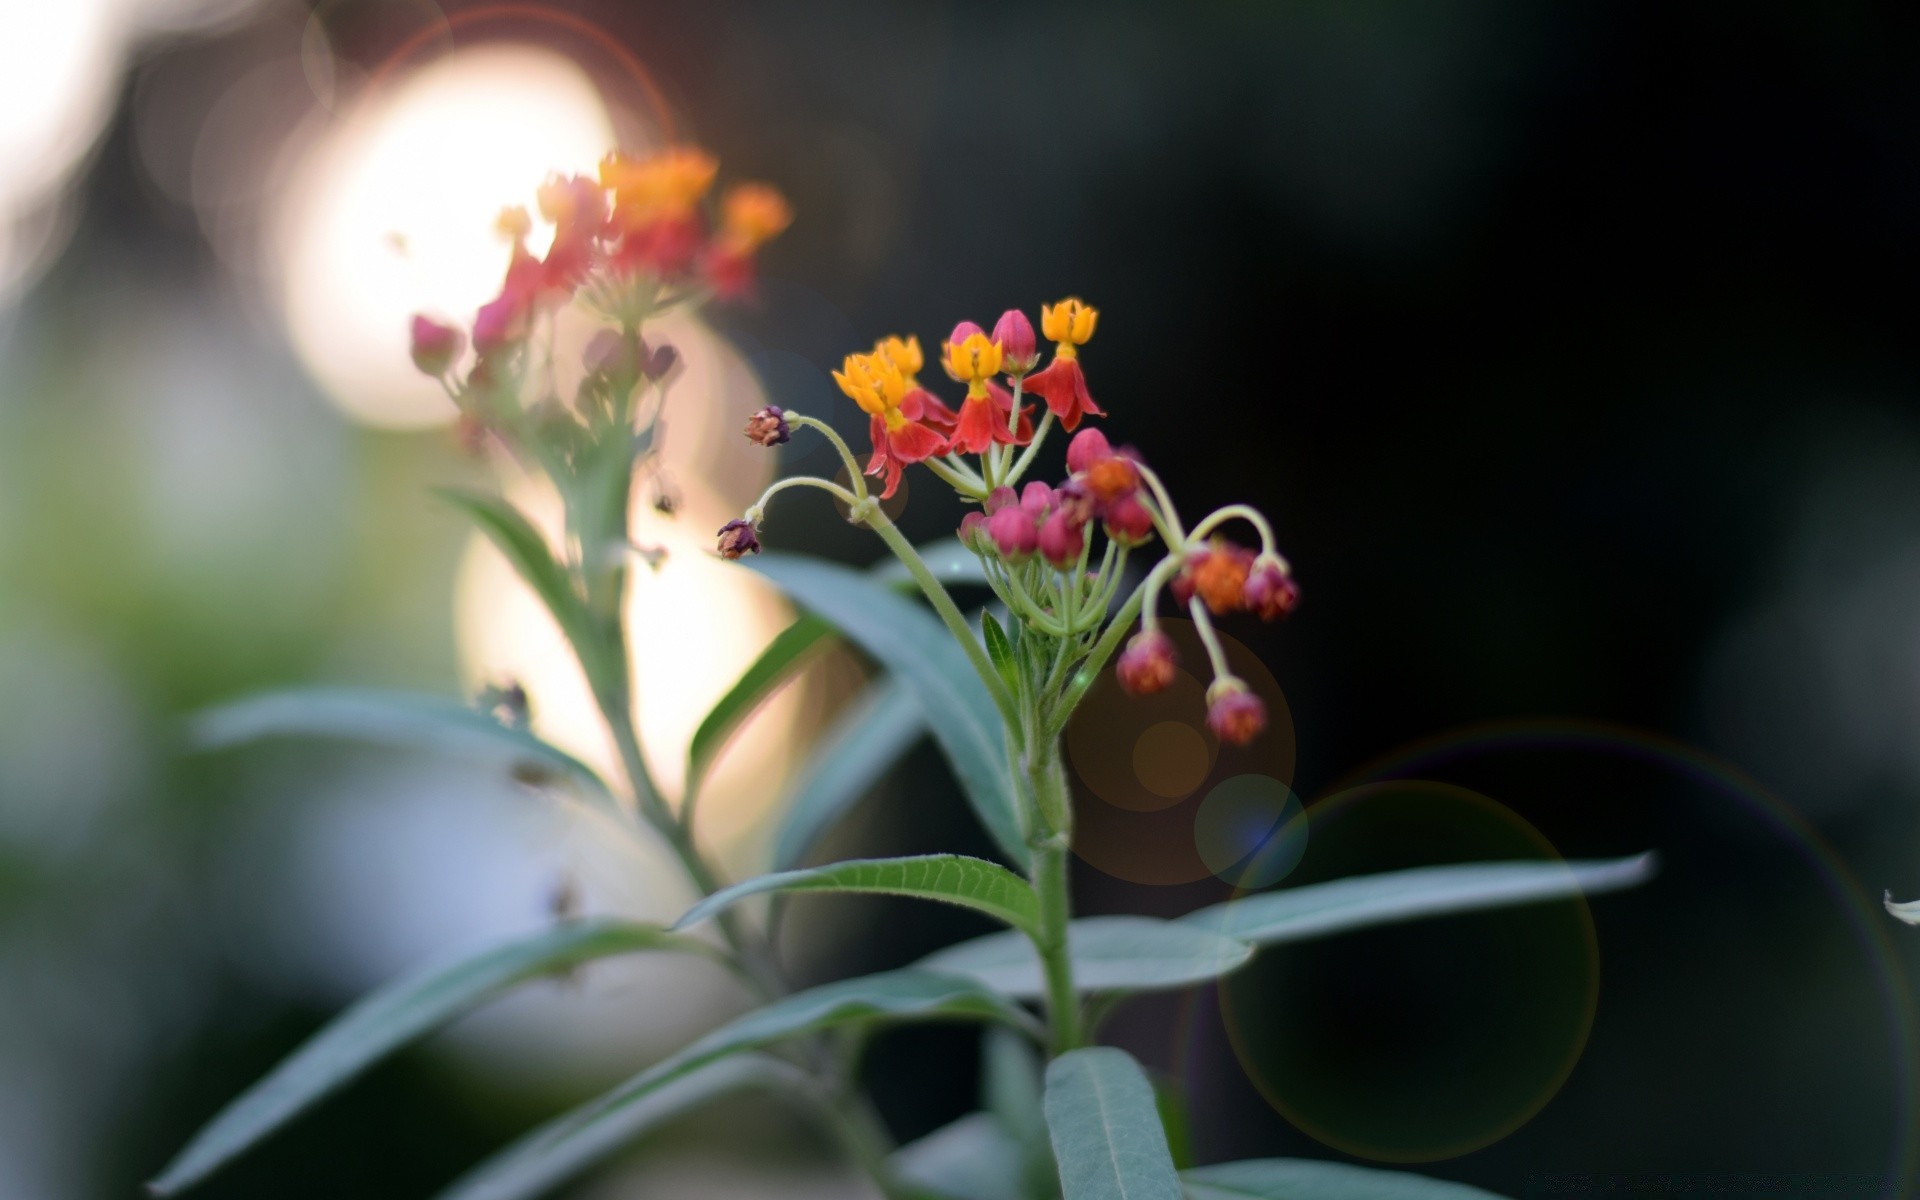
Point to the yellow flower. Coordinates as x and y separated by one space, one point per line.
664 186
1069 323
874 383
974 361
904 354
751 213
513 223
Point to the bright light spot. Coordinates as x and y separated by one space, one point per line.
56 77
393 214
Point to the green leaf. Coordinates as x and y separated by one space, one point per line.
1001 651
572 1140
1119 953
971 1159
389 717
784 655
526 549
1304 1179
1011 1088
533 1174
1908 912
1317 910
912 644
951 878
1106 1131
866 740
950 562
387 1019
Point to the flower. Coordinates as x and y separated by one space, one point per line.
1063 385
1148 663
738 538
1015 334
876 384
750 215
1235 714
904 353
1270 591
1217 575
973 359
654 208
435 345
768 427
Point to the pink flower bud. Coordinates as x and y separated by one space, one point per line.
973 532
738 538
999 498
1015 334
1061 539
1270 591
435 346
1147 665
1088 447
1037 499
963 331
1128 521
1235 715
1014 534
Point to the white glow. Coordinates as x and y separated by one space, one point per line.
393 214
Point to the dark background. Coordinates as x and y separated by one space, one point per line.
1570 348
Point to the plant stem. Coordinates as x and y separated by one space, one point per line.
1051 852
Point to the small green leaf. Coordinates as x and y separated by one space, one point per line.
387 1019
396 718
952 878
1119 953
1106 1131
526 549
971 1159
1001 651
917 649
865 741
1317 910
1908 912
1304 1179
574 1139
784 655
532 1174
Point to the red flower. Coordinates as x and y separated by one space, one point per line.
876 384
1063 385
1148 663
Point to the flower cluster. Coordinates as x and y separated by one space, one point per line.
638 238
1035 541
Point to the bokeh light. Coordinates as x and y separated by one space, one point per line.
1423 1041
1251 831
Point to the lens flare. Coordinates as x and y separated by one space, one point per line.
1251 831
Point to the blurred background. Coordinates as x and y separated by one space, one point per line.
1569 344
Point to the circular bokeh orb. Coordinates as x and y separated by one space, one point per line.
1144 768
1427 1039
1251 831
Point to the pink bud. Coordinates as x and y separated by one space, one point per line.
1128 521
1061 540
1235 715
1088 447
1037 499
963 331
999 498
1013 533
973 531
1015 334
1270 591
435 346
1148 663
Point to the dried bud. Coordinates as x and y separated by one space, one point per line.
1128 521
666 501
435 346
1015 334
768 427
659 361
1235 714
1147 665
1088 447
1270 591
1061 539
507 703
1220 577
973 532
738 538
1014 534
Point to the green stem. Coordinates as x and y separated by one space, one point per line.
1049 877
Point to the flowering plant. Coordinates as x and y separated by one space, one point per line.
1065 1117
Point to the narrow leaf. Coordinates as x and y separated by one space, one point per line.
1011 1087
397 718
533 1174
783 656
1118 953
1001 651
574 1139
952 878
526 549
865 741
1908 912
387 1019
1106 1130
971 1159
1317 910
912 644
1305 1179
